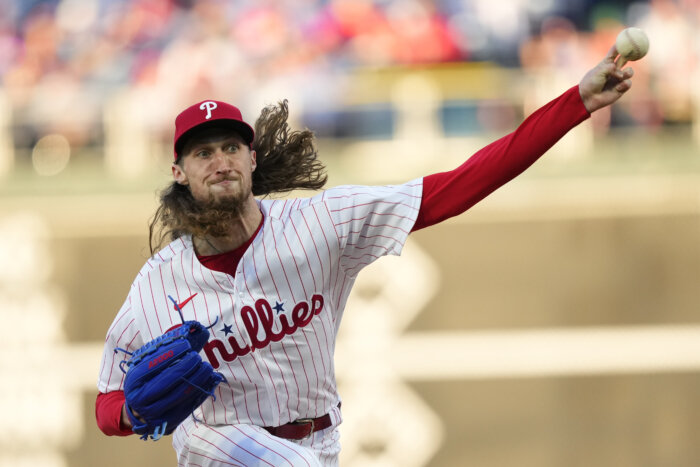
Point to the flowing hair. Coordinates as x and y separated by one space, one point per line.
287 160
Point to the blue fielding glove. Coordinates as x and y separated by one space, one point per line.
166 380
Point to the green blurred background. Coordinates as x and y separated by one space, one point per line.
555 324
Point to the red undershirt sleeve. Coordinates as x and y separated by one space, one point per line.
108 411
448 194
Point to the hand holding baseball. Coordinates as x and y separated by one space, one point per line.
632 44
605 83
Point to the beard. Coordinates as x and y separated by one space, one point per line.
181 214
213 217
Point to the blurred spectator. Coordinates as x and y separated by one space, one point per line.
673 34
63 62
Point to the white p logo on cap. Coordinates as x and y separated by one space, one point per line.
209 106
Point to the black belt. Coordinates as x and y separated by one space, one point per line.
302 428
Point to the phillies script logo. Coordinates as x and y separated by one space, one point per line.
262 319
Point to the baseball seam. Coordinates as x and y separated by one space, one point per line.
635 47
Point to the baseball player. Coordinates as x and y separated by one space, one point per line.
270 278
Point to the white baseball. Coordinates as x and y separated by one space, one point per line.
632 44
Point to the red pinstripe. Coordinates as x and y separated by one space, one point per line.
206 307
342 291
362 256
189 289
265 435
274 282
355 194
284 380
318 254
320 352
357 266
313 362
241 362
153 300
233 307
301 280
328 246
305 294
289 446
234 443
143 308
116 321
165 295
110 333
111 367
328 354
373 245
375 225
373 236
327 380
372 204
253 356
212 459
305 337
121 382
213 331
296 383
297 347
221 450
277 252
308 261
177 290
272 383
298 390
296 265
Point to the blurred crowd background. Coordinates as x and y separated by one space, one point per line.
70 68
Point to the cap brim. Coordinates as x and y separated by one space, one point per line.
241 128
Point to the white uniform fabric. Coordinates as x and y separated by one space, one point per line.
198 444
278 317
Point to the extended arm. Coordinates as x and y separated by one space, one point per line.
448 194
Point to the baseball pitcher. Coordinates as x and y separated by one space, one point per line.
225 341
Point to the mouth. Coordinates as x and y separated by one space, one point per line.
223 182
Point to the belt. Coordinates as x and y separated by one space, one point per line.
302 428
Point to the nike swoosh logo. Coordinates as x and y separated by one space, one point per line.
179 306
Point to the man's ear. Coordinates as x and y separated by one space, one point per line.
179 175
254 161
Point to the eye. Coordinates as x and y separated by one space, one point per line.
202 153
233 147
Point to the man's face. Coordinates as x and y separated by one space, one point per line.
217 165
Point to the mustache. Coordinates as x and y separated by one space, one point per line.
225 178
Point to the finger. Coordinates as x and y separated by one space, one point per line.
612 71
621 62
623 86
612 53
622 75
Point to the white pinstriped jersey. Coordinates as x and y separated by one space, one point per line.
276 320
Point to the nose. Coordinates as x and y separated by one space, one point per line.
222 161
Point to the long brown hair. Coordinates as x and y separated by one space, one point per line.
287 160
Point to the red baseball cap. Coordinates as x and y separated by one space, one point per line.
209 113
